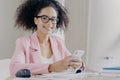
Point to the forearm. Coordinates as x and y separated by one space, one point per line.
34 68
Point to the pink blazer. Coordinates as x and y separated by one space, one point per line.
27 54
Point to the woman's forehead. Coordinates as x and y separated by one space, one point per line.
49 11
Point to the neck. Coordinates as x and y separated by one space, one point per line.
43 39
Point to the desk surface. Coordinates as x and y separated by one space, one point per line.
87 78
80 76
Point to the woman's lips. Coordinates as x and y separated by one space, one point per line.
47 28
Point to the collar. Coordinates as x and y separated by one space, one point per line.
34 41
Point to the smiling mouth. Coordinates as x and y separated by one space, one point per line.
47 28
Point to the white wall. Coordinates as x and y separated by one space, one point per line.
8 33
104 34
76 34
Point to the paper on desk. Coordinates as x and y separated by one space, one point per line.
110 73
40 79
67 76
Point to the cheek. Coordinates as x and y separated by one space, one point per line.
39 25
54 26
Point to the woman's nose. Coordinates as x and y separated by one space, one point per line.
49 24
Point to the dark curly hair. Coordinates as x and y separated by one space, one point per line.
29 9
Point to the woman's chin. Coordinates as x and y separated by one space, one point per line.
47 33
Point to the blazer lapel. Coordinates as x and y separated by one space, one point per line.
35 48
36 52
56 53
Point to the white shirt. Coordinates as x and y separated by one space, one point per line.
47 60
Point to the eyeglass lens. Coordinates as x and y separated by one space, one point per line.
45 19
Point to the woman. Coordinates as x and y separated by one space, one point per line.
42 52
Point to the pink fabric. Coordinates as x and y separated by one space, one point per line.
27 54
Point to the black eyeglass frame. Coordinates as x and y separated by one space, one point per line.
52 20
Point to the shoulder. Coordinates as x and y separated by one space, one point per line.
23 41
61 45
57 38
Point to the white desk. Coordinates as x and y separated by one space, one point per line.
81 76
87 78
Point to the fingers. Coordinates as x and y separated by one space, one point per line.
72 62
75 64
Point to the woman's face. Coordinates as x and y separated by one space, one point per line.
46 20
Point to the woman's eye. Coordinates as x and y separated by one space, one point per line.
45 18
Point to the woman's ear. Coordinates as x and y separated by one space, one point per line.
35 20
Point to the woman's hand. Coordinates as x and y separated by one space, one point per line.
67 63
60 65
76 62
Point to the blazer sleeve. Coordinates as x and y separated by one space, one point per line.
19 58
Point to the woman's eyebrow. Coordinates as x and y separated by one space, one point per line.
54 17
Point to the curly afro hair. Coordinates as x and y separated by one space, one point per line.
29 9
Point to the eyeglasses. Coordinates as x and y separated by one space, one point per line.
45 19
